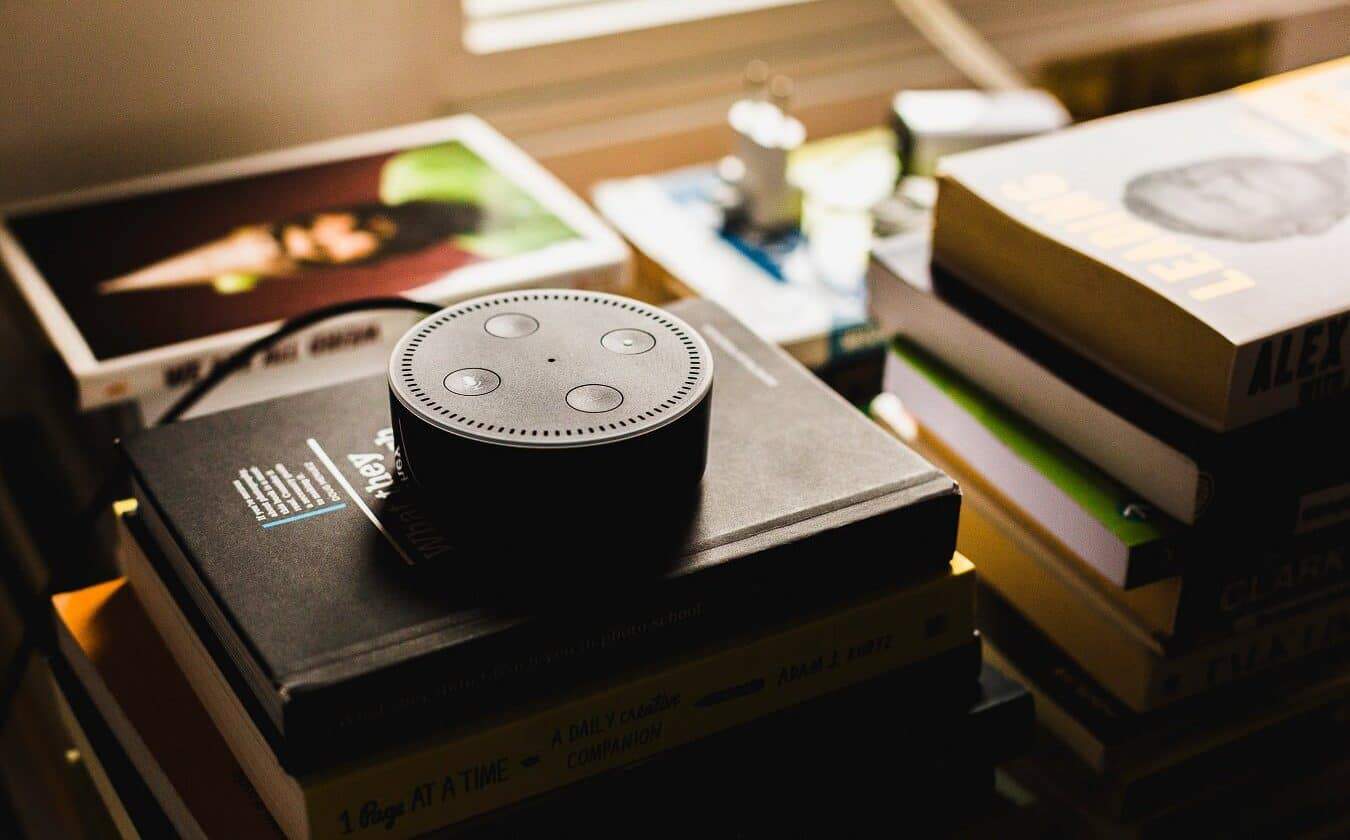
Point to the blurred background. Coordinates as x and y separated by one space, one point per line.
593 88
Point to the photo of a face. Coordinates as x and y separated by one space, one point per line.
346 235
168 266
1245 199
333 237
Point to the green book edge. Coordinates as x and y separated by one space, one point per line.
1100 496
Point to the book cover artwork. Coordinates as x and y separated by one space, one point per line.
1213 220
1220 219
168 267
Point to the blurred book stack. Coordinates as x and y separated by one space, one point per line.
1127 342
801 285
298 648
138 287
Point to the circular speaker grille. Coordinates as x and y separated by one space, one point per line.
567 368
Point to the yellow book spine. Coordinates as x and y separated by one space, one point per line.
644 715
1117 661
1117 651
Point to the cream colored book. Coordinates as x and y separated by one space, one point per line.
1196 250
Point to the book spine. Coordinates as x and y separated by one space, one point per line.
125 775
1068 498
1237 596
1289 370
326 723
1107 641
1303 740
353 343
1269 503
646 715
1255 477
1281 479
1279 642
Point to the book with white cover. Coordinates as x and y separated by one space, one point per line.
1196 250
141 285
1279 477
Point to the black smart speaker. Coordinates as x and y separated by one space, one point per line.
553 408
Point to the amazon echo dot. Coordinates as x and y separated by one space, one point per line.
552 406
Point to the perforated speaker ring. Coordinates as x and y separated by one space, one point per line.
555 400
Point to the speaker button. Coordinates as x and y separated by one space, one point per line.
628 342
511 325
472 382
594 399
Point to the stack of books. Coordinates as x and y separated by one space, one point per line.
298 647
1128 343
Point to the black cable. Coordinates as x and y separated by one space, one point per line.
245 354
240 358
110 488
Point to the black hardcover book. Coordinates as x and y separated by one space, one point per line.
339 596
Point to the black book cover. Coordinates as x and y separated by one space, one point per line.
340 597
1268 481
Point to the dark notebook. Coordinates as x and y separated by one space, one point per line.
341 599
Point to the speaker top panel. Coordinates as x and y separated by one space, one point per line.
553 368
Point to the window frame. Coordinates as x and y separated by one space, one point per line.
538 23
656 52
653 98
